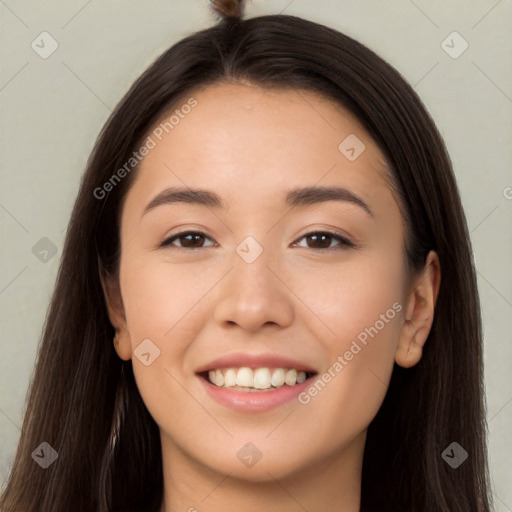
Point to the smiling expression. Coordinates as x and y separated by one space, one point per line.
251 240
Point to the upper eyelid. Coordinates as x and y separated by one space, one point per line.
344 240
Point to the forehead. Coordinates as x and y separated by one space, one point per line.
252 142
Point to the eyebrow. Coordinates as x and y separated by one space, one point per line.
294 197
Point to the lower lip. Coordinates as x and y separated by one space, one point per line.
254 401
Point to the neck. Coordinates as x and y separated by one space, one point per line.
329 484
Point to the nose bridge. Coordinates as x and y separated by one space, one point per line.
251 266
260 260
253 295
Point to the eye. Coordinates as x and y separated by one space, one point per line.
324 239
192 239
195 239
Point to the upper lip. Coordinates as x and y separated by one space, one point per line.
240 359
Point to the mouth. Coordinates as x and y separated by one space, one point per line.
245 379
254 383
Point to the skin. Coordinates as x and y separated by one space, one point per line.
299 299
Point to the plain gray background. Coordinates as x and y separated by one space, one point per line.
54 107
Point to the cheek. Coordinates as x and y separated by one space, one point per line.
347 394
162 304
158 296
360 308
352 296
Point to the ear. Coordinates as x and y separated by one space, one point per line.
115 310
419 313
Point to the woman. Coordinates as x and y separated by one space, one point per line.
270 231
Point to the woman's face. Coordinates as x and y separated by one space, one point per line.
264 291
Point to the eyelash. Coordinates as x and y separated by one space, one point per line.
345 243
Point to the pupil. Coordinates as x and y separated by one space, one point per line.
193 235
322 235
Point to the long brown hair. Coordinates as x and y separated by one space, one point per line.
81 392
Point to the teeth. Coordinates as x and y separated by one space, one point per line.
278 378
219 377
291 377
229 379
244 377
260 378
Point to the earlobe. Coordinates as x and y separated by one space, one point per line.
115 310
409 350
122 344
419 313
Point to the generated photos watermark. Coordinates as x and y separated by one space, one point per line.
355 348
151 141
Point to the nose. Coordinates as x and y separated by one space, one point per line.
255 294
